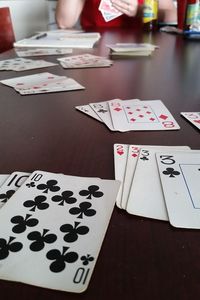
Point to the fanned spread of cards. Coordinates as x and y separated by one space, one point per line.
52 230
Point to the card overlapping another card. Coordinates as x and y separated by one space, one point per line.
134 114
10 185
42 83
84 61
23 64
141 191
52 228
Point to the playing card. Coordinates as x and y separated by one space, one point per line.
51 233
108 16
3 178
62 85
193 117
108 11
42 83
9 64
84 61
88 111
180 177
34 64
146 197
11 185
102 110
132 157
31 81
146 115
120 159
22 64
41 52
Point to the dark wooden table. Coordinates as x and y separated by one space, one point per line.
140 258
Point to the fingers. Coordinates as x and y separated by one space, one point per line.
127 7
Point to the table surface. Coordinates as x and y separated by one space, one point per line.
140 258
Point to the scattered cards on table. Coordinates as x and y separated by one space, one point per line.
23 64
108 11
42 83
52 227
193 118
159 182
41 52
84 61
131 49
134 114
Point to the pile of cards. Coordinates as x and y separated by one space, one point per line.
84 61
52 227
133 114
41 51
131 49
23 64
192 117
108 11
42 83
159 182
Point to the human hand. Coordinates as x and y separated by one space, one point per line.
127 7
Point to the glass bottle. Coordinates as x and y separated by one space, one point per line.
150 15
192 13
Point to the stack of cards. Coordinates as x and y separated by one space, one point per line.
193 117
108 11
159 182
134 114
52 228
23 64
41 52
42 83
84 61
131 49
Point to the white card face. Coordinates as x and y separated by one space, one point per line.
102 110
67 84
120 159
146 115
29 81
84 61
146 196
193 117
35 64
42 83
3 178
10 64
54 226
11 185
87 109
180 177
132 158
22 64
